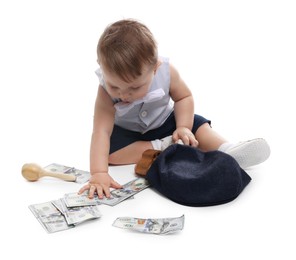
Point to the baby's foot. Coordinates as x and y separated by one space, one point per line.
249 153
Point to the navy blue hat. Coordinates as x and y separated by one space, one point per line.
191 177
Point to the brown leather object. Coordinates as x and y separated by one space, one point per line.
147 159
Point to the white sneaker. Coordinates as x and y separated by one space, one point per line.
250 153
167 141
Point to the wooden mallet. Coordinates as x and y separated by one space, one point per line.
32 172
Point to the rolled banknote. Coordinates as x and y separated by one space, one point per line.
153 226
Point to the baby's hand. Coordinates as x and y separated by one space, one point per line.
186 136
100 182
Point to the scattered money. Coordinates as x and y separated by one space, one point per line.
81 176
153 226
73 209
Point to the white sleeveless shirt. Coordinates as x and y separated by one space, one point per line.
149 112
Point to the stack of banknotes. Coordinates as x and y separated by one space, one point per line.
56 216
73 209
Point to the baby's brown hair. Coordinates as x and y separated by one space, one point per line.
125 46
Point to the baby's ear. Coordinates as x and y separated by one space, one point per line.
159 62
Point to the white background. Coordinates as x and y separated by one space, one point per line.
239 59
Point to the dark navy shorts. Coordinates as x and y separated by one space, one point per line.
122 137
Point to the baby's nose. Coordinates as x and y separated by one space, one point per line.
124 96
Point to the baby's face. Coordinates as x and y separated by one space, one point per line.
128 92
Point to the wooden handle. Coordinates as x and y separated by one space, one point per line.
59 175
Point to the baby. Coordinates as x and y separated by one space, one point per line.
143 103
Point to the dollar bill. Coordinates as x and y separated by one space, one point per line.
49 217
77 215
127 191
78 200
81 176
153 226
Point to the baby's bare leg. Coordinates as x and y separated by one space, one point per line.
130 154
208 139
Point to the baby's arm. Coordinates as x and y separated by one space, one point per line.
184 109
100 180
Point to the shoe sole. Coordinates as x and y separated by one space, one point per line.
250 153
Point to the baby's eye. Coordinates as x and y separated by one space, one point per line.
135 88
